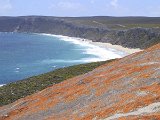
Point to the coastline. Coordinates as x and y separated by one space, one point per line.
119 48
100 51
2 85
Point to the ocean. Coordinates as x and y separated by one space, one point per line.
23 55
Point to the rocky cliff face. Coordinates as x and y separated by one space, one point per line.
133 38
99 29
126 89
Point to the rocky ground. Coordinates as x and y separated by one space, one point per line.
125 89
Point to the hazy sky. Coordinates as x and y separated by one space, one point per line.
80 7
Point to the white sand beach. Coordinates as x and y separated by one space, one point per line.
117 47
100 44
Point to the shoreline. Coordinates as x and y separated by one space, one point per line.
118 48
2 85
102 51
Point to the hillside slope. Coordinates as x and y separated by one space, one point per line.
132 32
126 89
16 90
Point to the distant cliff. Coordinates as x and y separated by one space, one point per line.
119 31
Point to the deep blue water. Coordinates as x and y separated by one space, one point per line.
24 55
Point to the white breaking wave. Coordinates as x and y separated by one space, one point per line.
100 53
84 60
17 68
2 85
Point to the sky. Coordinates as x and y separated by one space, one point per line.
76 8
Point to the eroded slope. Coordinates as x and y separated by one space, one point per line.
128 88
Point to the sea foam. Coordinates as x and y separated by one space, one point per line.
100 53
2 85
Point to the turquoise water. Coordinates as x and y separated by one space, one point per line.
25 55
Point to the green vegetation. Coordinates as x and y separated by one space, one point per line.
118 23
124 31
13 91
142 25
